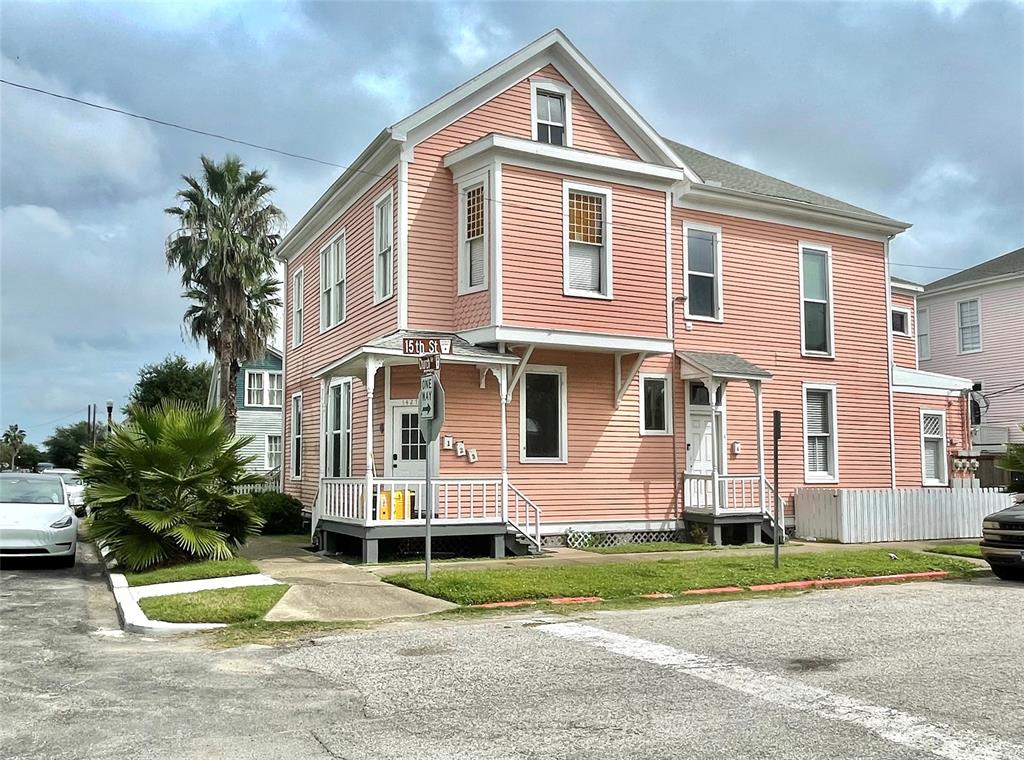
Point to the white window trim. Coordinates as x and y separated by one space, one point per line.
719 306
553 88
298 312
325 421
378 296
944 481
924 318
910 326
563 408
606 264
827 249
293 450
667 377
266 449
818 477
471 182
981 339
266 373
325 254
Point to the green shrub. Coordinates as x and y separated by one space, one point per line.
281 513
162 488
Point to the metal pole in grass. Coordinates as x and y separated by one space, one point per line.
779 516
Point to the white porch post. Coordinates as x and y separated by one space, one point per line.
503 394
371 373
755 386
712 387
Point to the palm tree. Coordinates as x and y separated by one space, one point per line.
228 228
13 438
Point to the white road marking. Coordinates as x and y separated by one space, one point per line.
893 725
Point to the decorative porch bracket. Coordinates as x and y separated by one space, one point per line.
621 386
510 389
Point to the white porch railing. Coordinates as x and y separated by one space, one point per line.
399 501
342 499
522 509
735 493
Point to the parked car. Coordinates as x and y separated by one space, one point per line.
74 486
36 519
1002 543
44 466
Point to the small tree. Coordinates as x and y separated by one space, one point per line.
1014 462
65 446
163 487
173 379
14 439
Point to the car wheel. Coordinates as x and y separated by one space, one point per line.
1008 572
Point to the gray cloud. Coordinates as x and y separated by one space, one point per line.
912 110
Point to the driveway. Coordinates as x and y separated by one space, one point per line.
915 671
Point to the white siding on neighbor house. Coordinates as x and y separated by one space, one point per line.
259 425
1000 363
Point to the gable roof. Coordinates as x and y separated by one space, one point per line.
1008 264
731 176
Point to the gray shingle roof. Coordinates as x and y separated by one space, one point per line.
723 364
1008 263
735 177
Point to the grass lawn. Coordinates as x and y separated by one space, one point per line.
222 605
670 546
271 632
960 550
625 579
193 571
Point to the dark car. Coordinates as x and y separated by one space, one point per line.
1002 543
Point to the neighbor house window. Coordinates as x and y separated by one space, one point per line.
275 389
702 263
816 299
543 415
296 452
587 259
473 251
968 324
332 284
933 448
924 342
263 388
899 319
297 297
655 405
273 455
820 434
254 389
383 233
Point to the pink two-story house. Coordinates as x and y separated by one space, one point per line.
626 313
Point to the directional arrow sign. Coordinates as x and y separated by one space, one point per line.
427 383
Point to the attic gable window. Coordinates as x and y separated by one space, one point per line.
552 112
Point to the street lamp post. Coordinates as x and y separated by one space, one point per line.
110 416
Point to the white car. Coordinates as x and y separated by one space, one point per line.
36 519
74 486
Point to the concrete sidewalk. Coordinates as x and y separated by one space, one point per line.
327 590
561 556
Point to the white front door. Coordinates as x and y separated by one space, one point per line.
408 449
699 443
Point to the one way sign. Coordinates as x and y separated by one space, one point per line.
431 409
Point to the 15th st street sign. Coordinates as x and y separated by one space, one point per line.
423 346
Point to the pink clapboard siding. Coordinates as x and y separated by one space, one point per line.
532 256
364 320
762 324
906 409
904 348
432 198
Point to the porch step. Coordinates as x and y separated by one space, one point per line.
527 544
768 530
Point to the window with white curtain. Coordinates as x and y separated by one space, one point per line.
968 323
588 247
254 389
273 452
819 433
275 389
933 448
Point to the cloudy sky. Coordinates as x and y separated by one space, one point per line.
912 110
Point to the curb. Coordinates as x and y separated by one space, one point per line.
932 575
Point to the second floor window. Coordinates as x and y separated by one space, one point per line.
383 234
297 313
550 118
968 324
900 321
474 241
816 300
703 279
254 389
263 388
332 284
587 245
275 389
924 341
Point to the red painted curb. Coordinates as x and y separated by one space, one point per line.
516 603
832 582
721 590
780 586
574 599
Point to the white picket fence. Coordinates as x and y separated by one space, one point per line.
860 516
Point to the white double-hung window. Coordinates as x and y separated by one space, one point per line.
552 112
332 284
816 299
473 236
702 263
968 326
933 447
655 404
924 340
272 452
275 389
820 438
298 287
383 248
254 389
296 452
587 252
263 388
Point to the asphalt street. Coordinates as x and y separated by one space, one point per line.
920 670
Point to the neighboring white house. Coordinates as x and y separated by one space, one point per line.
971 324
260 399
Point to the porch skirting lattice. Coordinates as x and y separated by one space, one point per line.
577 539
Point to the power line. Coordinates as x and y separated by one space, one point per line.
924 266
49 422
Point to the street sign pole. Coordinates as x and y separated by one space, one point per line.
431 417
779 513
428 503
